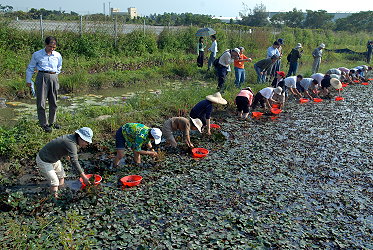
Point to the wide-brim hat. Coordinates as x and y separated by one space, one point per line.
336 83
216 98
85 133
278 90
157 135
197 123
322 46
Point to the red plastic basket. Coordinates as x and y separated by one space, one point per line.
303 100
214 126
199 152
131 180
98 179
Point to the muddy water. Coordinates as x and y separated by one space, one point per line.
12 110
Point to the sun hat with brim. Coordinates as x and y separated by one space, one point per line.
157 135
322 46
334 76
336 83
237 50
216 98
278 90
85 133
197 123
281 73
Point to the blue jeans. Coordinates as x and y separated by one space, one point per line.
293 69
240 76
211 60
261 78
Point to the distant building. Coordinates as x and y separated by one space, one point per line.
131 12
227 19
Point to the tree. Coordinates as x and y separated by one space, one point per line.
318 20
256 17
362 21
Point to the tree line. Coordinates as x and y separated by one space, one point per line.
320 19
256 17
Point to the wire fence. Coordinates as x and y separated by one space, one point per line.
112 27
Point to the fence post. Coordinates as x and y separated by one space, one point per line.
144 27
41 28
81 26
115 32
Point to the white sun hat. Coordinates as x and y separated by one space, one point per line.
157 135
85 133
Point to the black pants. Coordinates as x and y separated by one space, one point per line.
222 72
200 58
242 104
258 98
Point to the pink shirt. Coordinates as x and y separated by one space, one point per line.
247 94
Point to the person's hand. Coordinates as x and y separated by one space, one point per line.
191 145
85 179
209 132
154 154
249 60
262 73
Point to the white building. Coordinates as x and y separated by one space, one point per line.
131 12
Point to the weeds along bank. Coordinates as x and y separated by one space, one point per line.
99 60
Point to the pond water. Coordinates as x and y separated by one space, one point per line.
12 110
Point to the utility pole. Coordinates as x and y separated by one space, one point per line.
109 10
104 9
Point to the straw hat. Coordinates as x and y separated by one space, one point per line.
216 98
197 123
336 83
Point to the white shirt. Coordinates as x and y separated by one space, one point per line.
44 62
214 47
291 82
306 83
267 92
318 77
226 59
272 51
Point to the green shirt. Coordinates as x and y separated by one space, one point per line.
135 135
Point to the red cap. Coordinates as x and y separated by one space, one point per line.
281 73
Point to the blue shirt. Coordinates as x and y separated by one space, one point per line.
273 51
44 62
203 109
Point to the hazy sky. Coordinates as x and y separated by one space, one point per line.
229 8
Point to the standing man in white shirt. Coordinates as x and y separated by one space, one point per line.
223 66
317 54
48 62
271 51
213 50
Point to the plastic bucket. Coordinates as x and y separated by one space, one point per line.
339 98
276 111
131 180
303 100
214 126
98 179
365 83
276 106
317 99
257 114
199 152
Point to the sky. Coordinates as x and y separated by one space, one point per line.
226 8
